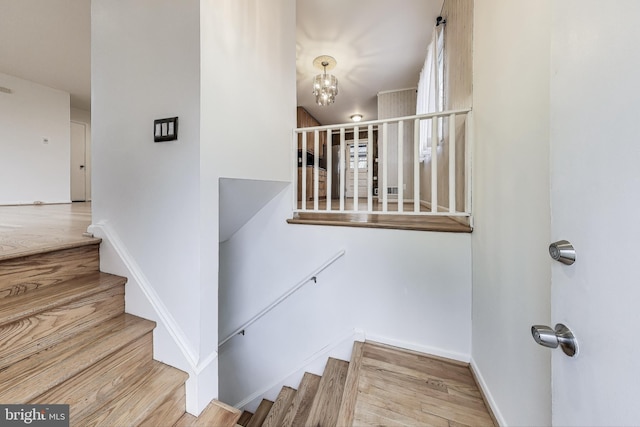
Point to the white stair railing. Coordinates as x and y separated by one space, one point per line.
315 175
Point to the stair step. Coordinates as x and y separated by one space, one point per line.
300 407
350 394
169 411
186 420
215 414
280 407
25 274
24 305
245 417
139 400
261 413
88 391
31 377
326 405
39 323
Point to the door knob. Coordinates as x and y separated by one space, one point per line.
552 338
563 252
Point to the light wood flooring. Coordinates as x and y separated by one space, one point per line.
402 388
30 229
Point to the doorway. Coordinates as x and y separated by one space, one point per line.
80 158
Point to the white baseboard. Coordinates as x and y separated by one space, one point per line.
435 351
487 394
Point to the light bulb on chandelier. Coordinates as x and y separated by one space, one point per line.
325 86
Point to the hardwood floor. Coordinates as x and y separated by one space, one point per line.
31 229
402 388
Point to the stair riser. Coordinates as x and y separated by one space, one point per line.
26 274
88 390
29 335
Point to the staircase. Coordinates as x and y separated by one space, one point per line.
380 386
65 339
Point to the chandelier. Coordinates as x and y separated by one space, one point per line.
325 86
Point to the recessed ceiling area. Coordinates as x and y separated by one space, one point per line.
379 45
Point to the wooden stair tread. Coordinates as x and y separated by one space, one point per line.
326 404
56 244
89 390
388 221
138 401
350 394
280 407
216 414
261 413
300 407
186 420
25 305
25 274
30 377
245 417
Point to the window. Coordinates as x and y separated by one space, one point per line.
431 90
362 155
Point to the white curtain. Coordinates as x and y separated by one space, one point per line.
431 89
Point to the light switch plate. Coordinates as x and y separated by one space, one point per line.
165 129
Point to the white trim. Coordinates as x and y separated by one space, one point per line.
396 90
435 351
487 394
197 365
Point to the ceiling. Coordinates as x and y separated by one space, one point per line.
379 45
48 42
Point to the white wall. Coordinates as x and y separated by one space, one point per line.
511 265
84 117
30 169
157 205
407 288
248 113
146 66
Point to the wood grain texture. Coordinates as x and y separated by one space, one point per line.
395 222
300 407
280 407
397 387
29 378
29 335
137 402
92 388
245 417
186 420
217 414
261 413
170 411
24 305
324 411
23 274
350 394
